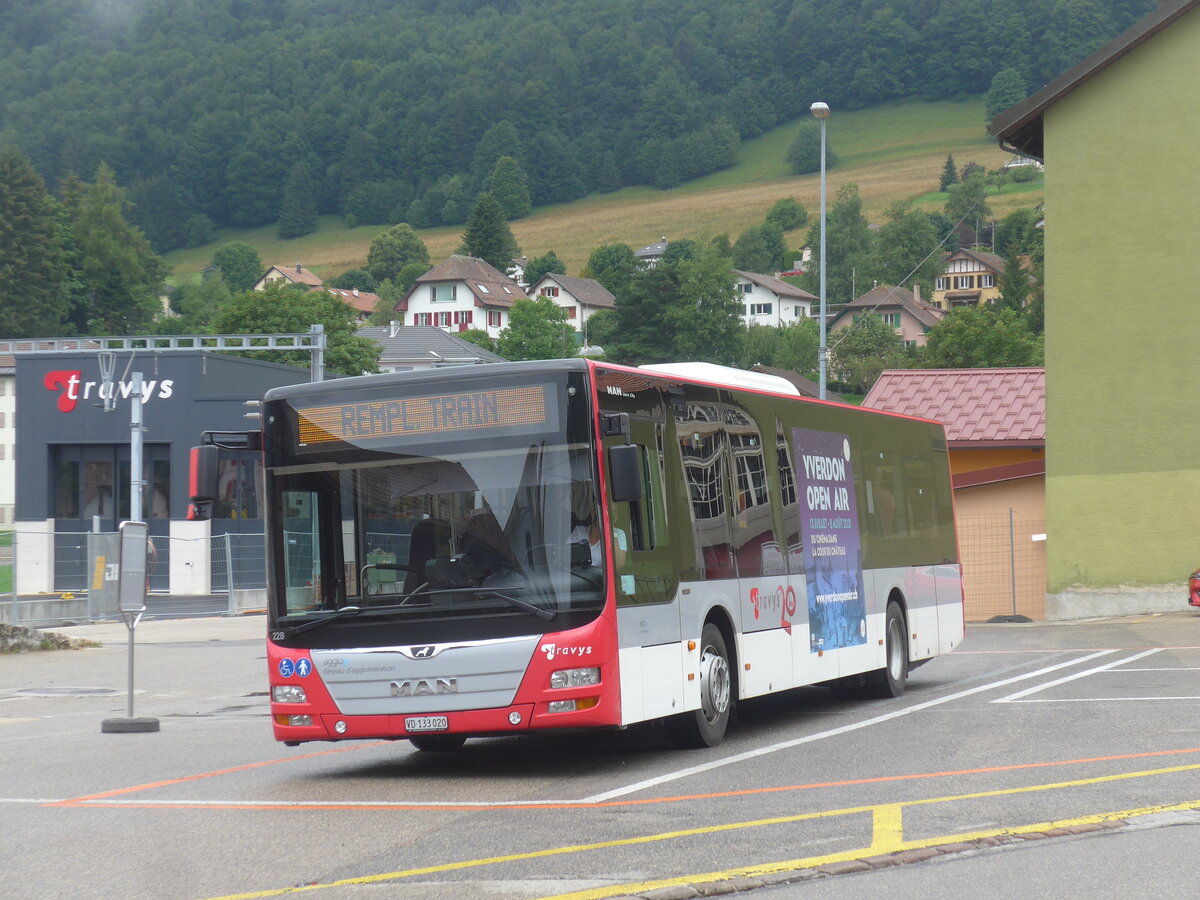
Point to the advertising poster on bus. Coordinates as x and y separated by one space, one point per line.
829 531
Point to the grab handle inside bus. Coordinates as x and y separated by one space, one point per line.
625 473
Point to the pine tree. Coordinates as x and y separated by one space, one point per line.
511 188
488 236
298 209
32 300
949 173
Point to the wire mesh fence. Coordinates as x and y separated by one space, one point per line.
1004 566
57 578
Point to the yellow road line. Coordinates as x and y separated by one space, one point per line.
887 837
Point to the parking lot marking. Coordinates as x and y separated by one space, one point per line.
886 834
834 732
77 801
513 805
1037 688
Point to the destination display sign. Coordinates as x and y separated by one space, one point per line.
516 409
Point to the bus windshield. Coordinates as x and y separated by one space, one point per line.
499 536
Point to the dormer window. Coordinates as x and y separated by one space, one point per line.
442 293
483 288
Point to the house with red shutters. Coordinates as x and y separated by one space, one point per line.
460 294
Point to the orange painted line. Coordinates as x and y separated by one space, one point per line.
76 801
420 807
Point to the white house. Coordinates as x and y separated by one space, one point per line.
459 294
767 300
580 297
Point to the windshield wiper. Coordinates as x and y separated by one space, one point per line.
310 624
524 605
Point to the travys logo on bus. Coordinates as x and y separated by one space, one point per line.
782 601
71 388
553 650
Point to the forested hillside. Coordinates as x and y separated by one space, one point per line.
213 112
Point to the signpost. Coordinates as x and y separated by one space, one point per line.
130 573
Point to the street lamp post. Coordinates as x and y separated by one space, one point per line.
821 111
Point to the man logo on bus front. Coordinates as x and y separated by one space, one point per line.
422 652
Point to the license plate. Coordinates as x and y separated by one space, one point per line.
427 723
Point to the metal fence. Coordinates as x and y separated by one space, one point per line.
53 579
1003 560
1004 566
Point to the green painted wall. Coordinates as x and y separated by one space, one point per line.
1123 321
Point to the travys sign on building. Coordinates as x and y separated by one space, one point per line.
828 512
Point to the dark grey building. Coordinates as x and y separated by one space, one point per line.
73 458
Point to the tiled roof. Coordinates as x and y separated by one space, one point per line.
653 251
988 260
424 344
771 283
363 301
490 286
587 291
977 406
297 274
886 296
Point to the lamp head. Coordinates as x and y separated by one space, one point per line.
820 110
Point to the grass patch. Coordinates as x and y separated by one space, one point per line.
6 538
6 578
892 152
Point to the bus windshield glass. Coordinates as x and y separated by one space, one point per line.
435 525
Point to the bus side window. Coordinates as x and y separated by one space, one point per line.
643 513
885 513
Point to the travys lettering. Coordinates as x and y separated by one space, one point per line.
71 388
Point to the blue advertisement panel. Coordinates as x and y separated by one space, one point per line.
829 531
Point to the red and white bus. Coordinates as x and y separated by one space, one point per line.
570 544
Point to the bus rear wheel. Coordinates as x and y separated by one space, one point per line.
705 727
892 678
438 743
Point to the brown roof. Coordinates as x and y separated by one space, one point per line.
588 291
296 274
363 301
989 260
979 407
489 285
782 288
887 296
1019 128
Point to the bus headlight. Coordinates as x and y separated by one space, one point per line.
558 706
565 678
288 693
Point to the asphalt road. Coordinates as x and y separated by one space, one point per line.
1047 759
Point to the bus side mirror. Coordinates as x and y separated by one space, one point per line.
202 481
625 473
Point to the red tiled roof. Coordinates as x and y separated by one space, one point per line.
979 407
489 286
296 274
362 301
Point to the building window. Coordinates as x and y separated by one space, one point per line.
571 311
941 284
987 281
493 318
482 288
443 319
892 319
760 309
747 289
442 293
550 291
422 318
964 282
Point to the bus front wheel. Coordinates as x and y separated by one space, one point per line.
892 678
705 727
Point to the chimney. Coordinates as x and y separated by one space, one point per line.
298 269
916 292
356 292
393 327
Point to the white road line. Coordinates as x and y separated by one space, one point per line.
1095 699
833 732
1037 688
28 800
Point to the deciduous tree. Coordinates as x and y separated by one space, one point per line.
804 152
280 310
540 266
394 249
859 354
975 337
537 329
239 265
